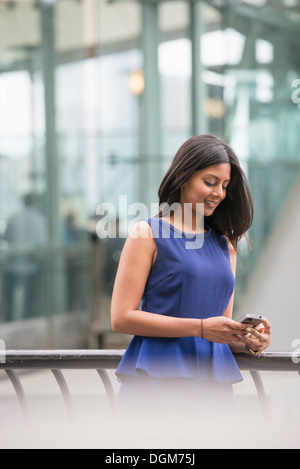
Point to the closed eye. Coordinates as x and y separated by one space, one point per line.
209 184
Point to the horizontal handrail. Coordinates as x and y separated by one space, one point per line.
269 361
61 359
109 359
102 360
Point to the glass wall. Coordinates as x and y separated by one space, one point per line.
95 99
262 120
69 140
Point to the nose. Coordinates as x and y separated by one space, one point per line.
218 191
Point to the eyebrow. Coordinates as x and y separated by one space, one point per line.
216 177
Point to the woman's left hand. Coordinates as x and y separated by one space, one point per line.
259 338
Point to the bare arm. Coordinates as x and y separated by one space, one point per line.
134 268
135 265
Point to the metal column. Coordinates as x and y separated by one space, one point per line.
150 174
55 262
199 91
49 65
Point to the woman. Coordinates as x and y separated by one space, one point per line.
180 267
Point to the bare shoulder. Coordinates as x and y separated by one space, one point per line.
141 230
140 244
133 270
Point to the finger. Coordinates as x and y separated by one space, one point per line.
255 333
257 341
237 326
239 339
245 339
267 325
255 344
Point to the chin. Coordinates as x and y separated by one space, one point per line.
208 212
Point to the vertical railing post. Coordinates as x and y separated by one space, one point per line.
14 379
260 392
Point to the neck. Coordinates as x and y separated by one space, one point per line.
187 219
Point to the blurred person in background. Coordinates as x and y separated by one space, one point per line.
26 231
75 237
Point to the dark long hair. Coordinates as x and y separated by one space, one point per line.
234 216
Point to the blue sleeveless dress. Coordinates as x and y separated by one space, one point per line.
191 278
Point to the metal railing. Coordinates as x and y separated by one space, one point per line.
103 360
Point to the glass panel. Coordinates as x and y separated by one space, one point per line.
72 134
69 140
174 57
262 121
23 230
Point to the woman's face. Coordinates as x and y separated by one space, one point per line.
207 186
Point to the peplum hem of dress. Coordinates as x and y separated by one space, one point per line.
184 357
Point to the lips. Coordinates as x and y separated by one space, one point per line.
211 204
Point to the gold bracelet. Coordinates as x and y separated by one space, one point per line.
254 354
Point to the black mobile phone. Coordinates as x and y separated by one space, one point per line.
251 319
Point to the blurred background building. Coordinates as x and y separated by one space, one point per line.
96 96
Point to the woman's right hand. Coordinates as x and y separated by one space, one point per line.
223 330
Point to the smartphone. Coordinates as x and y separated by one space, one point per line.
251 319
